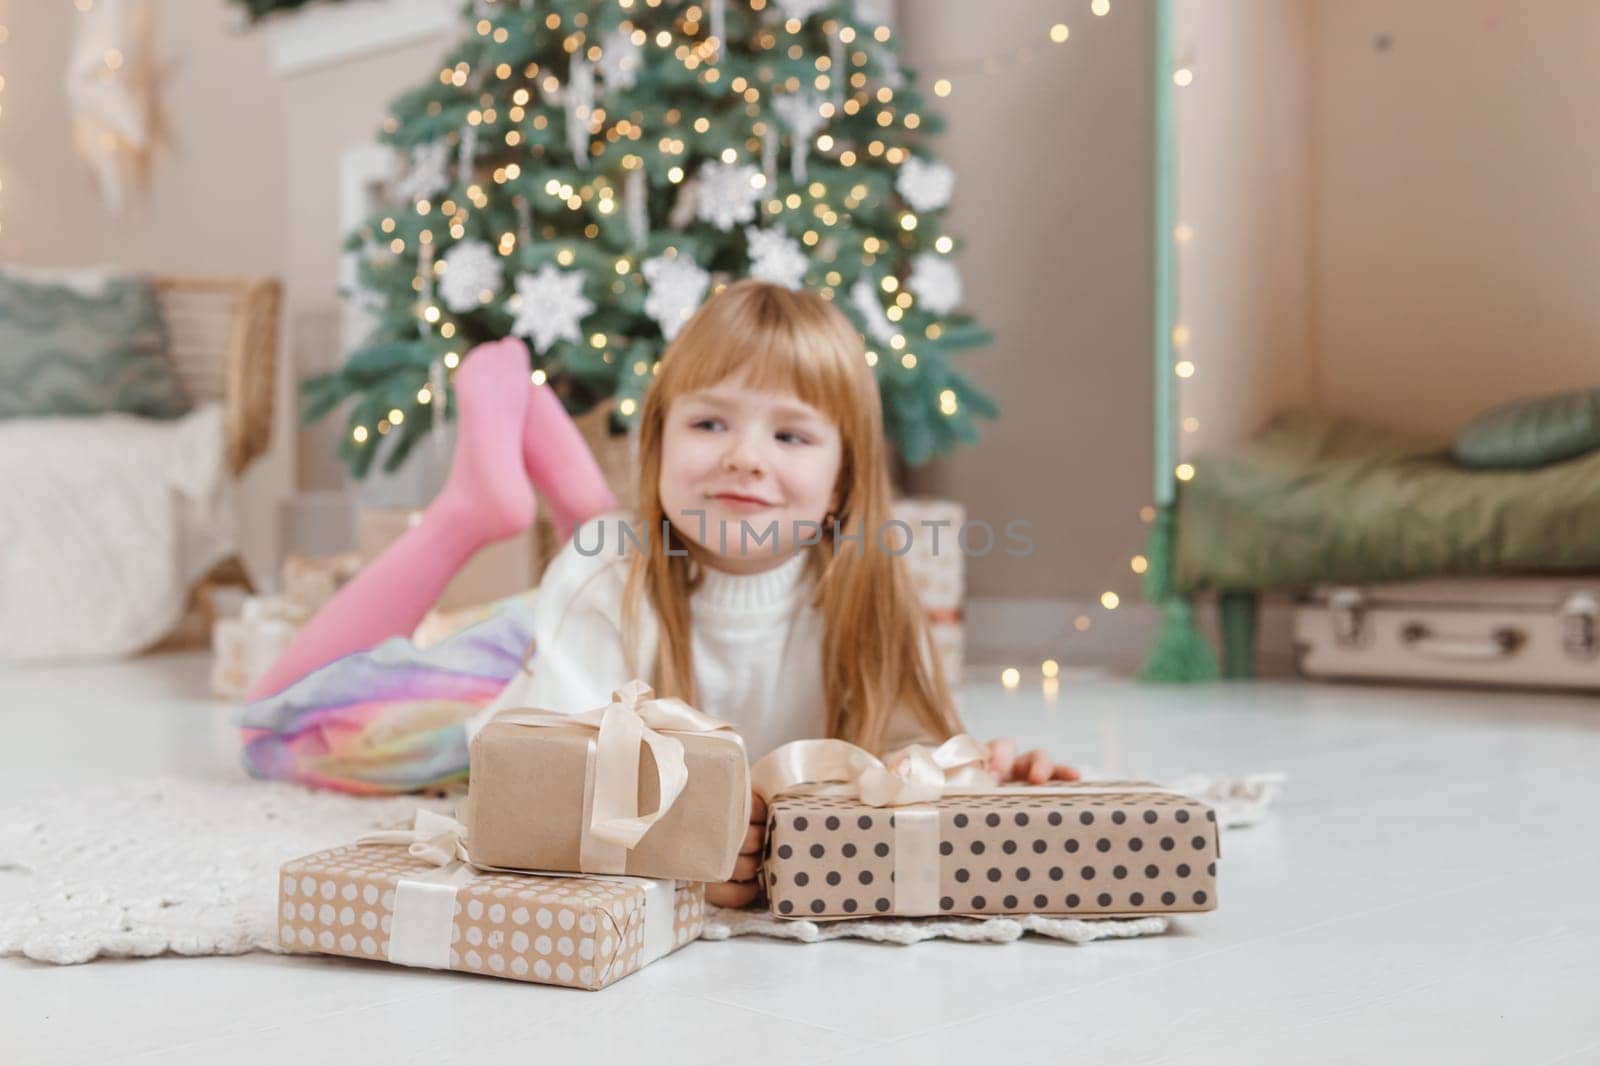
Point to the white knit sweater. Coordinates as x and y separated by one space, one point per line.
756 642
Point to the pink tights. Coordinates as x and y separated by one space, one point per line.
509 432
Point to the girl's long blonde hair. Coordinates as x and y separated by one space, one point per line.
877 655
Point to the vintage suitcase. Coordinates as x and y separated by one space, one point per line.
1539 632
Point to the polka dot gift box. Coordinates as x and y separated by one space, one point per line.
929 833
407 898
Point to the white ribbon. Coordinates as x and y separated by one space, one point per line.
438 838
622 730
425 903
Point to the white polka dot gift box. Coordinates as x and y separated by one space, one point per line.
407 897
929 833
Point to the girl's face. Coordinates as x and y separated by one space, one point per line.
738 465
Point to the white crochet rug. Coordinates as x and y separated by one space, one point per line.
189 866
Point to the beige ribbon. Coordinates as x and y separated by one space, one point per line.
914 774
621 730
910 781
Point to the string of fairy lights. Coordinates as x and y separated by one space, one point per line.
5 36
695 55
1183 368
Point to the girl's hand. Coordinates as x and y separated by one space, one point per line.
1034 766
743 887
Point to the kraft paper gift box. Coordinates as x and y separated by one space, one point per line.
244 648
642 786
938 571
406 897
933 555
930 834
310 581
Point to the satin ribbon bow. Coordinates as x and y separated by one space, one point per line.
914 774
633 720
437 838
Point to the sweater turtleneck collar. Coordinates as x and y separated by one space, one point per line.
740 592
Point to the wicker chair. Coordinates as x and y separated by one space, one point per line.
222 337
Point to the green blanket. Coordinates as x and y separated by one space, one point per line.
1315 499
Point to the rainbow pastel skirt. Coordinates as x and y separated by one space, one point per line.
391 719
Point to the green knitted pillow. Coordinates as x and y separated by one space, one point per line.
67 351
1532 433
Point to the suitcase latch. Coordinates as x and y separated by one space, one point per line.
1349 610
1580 625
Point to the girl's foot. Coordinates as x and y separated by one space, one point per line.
560 465
487 489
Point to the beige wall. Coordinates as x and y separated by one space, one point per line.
1393 208
1457 219
1053 200
214 196
212 200
1244 190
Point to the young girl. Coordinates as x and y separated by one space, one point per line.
761 594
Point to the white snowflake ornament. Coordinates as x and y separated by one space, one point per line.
727 194
935 282
677 286
891 75
429 173
620 60
471 267
864 297
926 184
549 306
776 257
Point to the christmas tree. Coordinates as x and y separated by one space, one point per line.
584 173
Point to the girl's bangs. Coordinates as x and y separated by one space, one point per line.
778 344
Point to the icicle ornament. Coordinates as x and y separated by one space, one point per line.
636 206
719 25
769 156
802 114
467 156
579 100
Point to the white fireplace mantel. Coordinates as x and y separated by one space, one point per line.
323 34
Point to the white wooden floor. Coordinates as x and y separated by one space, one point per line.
1422 895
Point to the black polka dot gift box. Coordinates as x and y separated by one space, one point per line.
407 898
929 834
